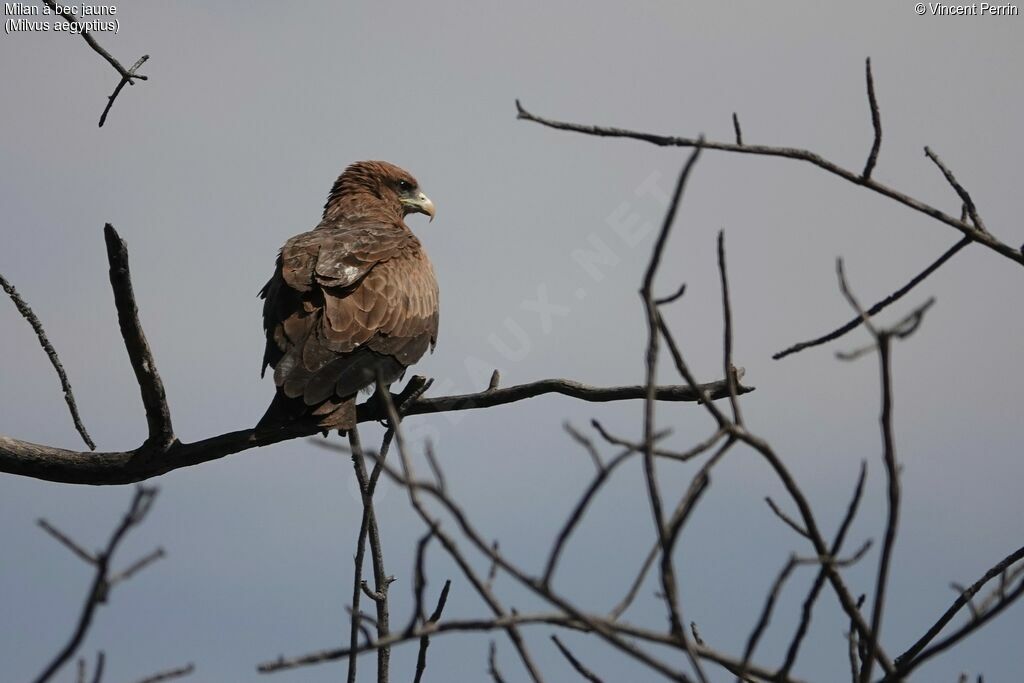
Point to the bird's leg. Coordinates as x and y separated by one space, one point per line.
380 405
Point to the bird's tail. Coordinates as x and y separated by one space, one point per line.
284 413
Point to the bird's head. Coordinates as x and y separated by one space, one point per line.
379 181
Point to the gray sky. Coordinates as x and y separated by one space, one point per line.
230 148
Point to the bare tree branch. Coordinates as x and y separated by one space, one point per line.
787 520
883 343
584 624
126 78
68 543
912 657
127 75
421 658
368 530
876 123
576 664
158 415
736 129
170 674
728 368
965 197
668 578
879 306
967 229
492 664
51 353
766 611
482 588
819 581
100 587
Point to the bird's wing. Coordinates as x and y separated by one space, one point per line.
347 302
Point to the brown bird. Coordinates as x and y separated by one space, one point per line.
351 300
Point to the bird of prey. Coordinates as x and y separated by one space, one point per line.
351 300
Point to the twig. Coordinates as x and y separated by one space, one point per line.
100 587
579 511
910 659
435 467
671 297
789 521
127 75
421 658
170 674
727 364
137 566
736 129
125 78
492 664
369 530
819 581
876 123
576 664
587 444
965 196
634 587
766 611
78 550
854 646
419 581
51 353
97 673
879 306
681 456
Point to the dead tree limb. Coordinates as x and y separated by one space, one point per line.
917 653
99 590
51 353
968 229
128 75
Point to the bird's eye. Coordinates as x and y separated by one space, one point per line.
404 185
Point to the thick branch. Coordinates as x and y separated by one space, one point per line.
125 467
158 415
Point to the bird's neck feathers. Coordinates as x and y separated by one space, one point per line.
363 204
360 193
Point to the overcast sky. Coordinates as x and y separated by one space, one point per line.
250 113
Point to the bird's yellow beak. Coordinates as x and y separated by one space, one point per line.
419 204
